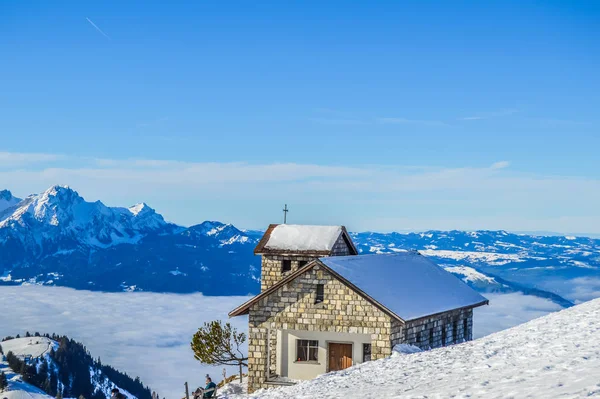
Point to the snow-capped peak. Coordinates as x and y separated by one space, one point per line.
209 228
58 188
60 212
139 208
227 234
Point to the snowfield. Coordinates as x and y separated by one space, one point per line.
491 258
554 356
469 274
32 346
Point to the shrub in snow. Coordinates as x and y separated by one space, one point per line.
405 349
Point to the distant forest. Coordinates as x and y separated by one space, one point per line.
68 373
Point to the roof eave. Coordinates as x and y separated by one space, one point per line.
290 252
265 238
473 306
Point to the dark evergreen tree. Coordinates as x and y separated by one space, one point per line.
47 385
43 369
53 384
3 381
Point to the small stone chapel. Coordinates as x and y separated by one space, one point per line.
323 307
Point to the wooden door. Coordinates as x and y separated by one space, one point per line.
340 356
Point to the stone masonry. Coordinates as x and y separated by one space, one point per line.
271 268
293 307
340 248
271 264
439 330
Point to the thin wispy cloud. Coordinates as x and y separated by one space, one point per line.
336 121
487 115
97 28
500 165
12 159
405 121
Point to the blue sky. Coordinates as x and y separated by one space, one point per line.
377 115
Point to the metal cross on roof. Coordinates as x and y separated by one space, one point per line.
285 211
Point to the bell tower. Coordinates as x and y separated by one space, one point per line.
285 248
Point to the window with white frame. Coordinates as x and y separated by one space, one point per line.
307 350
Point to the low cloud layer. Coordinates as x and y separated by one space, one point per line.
148 334
144 334
508 310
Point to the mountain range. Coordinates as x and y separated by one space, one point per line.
58 238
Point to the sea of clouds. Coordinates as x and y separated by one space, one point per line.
148 334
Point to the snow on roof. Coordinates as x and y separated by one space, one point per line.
297 237
407 283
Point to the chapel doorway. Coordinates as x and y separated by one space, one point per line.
340 356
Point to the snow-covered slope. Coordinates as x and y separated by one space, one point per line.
17 389
554 356
29 346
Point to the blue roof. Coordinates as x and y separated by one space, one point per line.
407 283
